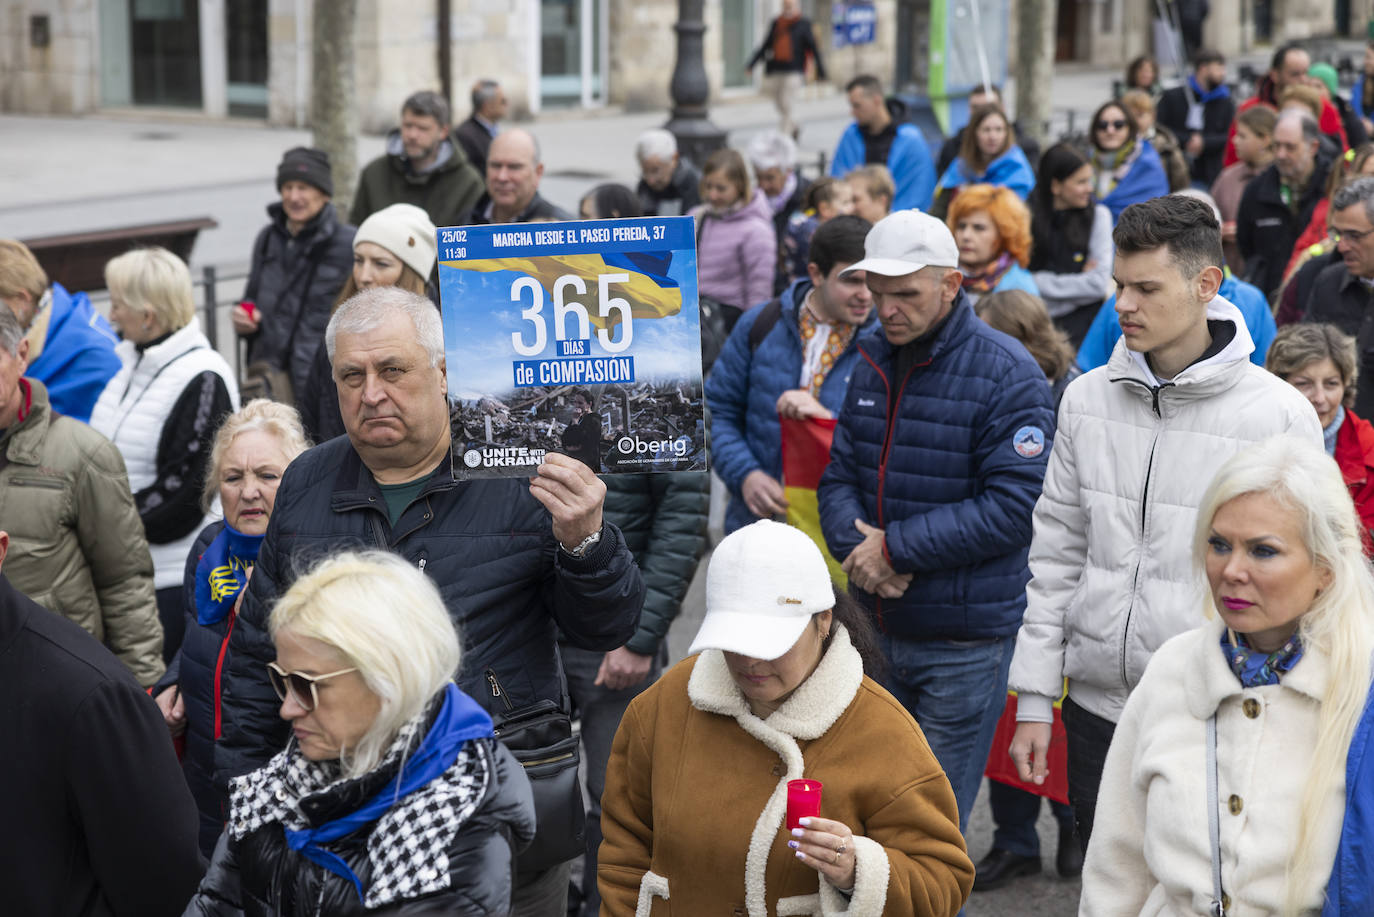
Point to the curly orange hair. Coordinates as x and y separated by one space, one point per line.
1008 212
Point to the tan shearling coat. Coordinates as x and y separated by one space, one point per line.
696 794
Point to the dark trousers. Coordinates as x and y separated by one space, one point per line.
599 710
542 894
1014 812
1089 738
173 618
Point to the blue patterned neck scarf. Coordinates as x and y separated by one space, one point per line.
222 572
1255 668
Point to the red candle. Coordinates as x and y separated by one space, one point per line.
803 801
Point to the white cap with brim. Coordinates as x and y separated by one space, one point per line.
905 242
764 583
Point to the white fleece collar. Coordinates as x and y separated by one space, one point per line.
1208 680
811 710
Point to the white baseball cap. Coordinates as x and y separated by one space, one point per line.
905 242
764 583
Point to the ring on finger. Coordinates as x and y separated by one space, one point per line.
840 849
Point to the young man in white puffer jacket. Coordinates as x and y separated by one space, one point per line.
1138 441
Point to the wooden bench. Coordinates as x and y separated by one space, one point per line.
77 260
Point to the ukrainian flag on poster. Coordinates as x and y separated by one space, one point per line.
650 291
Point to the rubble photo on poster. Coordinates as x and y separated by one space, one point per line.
581 337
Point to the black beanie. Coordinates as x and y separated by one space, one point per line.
307 165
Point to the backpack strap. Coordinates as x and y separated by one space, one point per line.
768 317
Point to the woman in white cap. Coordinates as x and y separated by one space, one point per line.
395 247
697 786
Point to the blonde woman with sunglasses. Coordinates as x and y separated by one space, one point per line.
392 796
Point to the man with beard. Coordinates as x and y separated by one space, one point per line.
1277 206
423 165
1200 115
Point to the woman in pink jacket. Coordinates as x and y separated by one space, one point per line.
737 246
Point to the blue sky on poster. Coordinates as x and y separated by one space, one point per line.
479 318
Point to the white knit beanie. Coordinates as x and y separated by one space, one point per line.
406 232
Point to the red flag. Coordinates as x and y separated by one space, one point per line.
1002 769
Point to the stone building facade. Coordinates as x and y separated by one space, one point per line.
251 58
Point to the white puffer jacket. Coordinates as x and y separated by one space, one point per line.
1111 556
133 409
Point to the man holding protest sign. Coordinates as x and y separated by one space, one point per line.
513 560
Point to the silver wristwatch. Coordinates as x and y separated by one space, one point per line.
582 546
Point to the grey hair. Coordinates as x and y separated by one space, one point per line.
11 332
772 150
1359 191
483 91
656 144
1310 129
429 103
365 311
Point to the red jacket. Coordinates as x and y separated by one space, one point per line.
1355 456
1329 124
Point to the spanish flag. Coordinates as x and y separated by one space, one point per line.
650 292
805 453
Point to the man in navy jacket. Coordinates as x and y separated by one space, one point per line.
810 332
937 462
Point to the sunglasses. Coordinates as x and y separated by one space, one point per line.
302 688
1111 125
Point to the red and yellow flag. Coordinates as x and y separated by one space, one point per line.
805 453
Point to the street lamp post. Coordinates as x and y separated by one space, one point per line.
696 136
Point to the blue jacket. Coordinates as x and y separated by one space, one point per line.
1351 889
909 162
1010 170
953 481
78 355
743 390
1145 179
1357 97
1018 278
1102 336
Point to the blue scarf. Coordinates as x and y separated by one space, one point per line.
1204 96
222 573
459 720
1255 668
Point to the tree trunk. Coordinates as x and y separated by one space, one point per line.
1035 66
334 96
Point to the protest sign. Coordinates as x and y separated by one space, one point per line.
579 337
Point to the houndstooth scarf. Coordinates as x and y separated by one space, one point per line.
407 847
